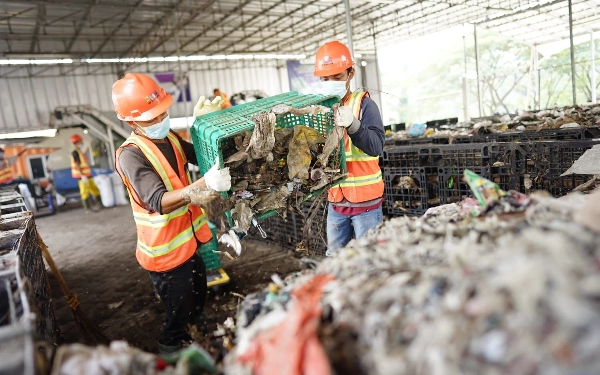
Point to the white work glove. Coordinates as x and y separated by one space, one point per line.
218 179
84 179
205 106
344 118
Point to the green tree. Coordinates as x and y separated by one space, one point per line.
434 92
555 76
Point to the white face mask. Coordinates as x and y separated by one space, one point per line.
157 131
337 88
81 147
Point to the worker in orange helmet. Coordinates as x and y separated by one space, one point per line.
80 170
226 102
355 203
6 174
153 165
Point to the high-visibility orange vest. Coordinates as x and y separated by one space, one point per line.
83 166
164 241
6 174
364 181
226 101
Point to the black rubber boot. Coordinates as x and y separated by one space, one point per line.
93 204
84 202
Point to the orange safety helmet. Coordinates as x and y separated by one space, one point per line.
138 97
76 138
332 58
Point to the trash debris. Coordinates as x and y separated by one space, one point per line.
115 305
191 360
274 169
416 130
447 293
304 142
564 118
118 358
263 137
292 347
231 240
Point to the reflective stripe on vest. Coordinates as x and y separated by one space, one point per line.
165 241
6 174
364 181
83 166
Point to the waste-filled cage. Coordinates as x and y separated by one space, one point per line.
213 134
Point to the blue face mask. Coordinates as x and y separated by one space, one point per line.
157 131
337 88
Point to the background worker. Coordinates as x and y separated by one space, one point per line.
153 165
355 203
226 102
80 170
6 174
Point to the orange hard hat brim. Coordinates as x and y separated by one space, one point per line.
331 71
152 113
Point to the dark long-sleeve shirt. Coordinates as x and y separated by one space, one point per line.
143 178
370 136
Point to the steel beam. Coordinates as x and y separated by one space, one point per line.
114 31
315 33
160 23
215 24
80 25
38 26
245 24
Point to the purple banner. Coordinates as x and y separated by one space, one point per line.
178 87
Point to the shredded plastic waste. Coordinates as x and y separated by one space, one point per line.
275 169
263 137
120 358
292 347
503 293
570 117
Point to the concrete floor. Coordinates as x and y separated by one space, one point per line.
95 253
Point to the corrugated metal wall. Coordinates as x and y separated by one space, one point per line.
29 94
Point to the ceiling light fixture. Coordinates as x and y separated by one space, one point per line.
155 59
35 62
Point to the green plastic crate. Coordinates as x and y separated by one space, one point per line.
210 131
210 258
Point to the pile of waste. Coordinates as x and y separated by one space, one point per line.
276 168
120 358
559 118
464 289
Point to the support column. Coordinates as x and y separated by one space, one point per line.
349 34
377 62
465 90
536 78
349 26
593 68
479 98
572 52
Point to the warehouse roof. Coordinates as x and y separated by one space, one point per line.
138 28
